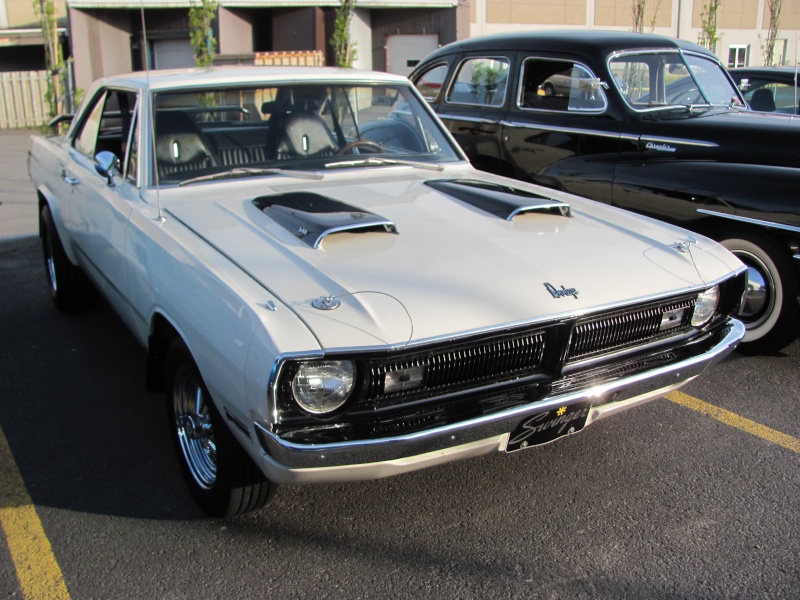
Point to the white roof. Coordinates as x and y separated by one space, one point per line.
218 76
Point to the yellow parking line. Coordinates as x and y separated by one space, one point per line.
37 570
734 420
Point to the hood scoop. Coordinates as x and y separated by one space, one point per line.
499 200
312 217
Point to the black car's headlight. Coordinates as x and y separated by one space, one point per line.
321 387
705 306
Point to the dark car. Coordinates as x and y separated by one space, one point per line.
644 122
769 89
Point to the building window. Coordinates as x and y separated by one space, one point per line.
738 56
779 52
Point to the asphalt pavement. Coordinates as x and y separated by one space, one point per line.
18 213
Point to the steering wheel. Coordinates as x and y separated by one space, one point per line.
368 143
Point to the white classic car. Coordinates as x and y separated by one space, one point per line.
328 291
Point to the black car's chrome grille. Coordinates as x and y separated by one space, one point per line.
598 335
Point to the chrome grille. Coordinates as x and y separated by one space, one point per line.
598 335
492 360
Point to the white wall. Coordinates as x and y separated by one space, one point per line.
361 33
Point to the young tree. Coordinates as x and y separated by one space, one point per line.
772 31
200 32
709 36
54 59
344 51
637 12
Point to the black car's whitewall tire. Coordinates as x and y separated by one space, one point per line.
770 310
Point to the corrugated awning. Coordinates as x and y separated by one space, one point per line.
24 37
129 4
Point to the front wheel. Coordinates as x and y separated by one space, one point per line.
769 310
221 476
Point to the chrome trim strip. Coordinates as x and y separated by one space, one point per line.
471 119
575 130
668 140
770 224
237 422
286 462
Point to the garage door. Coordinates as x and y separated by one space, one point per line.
403 52
170 54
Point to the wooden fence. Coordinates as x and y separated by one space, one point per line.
301 58
22 99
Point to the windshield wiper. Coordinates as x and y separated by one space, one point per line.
381 162
253 172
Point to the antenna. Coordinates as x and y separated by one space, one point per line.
154 163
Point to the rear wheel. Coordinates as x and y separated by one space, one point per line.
770 309
221 476
68 285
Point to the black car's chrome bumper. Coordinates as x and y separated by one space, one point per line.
286 462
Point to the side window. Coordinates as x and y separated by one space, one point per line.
481 81
559 85
108 125
87 137
430 84
769 96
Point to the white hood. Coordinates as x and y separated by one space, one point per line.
451 267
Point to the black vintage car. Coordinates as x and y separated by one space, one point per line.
643 122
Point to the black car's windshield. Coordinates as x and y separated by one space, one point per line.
248 132
658 80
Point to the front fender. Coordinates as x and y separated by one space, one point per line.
696 194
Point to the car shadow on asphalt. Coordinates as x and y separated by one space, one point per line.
84 433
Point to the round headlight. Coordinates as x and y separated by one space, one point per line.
323 386
705 306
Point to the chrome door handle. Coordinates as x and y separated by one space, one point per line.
69 179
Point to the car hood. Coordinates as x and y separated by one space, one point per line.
440 266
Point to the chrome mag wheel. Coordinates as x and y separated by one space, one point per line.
194 428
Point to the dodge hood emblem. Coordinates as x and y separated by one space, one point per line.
562 293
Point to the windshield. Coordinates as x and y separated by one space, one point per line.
205 135
662 79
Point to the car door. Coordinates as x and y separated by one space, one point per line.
666 168
474 103
562 131
101 205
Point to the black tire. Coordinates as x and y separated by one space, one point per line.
549 90
770 310
69 288
221 476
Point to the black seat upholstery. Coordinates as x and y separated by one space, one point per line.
180 145
303 134
762 100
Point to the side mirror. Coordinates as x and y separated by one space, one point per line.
107 164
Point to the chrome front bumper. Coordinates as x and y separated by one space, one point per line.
286 462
